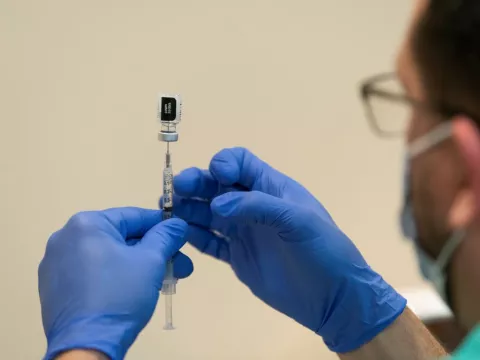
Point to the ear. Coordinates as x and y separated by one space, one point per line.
466 205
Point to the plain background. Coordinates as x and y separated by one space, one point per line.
78 90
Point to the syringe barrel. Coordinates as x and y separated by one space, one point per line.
168 188
169 285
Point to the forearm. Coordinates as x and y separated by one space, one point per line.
406 339
82 355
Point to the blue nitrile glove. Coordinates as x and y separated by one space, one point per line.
283 244
100 278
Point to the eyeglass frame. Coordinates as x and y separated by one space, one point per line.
368 89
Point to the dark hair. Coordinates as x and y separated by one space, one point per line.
446 49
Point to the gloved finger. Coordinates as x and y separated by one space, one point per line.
132 222
182 265
193 211
257 208
166 238
238 166
195 183
208 243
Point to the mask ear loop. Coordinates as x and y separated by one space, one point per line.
419 146
436 136
440 133
444 259
449 248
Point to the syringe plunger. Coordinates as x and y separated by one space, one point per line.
169 289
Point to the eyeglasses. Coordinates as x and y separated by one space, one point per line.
388 108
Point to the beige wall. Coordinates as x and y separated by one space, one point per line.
78 91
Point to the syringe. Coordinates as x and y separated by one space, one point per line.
169 282
169 115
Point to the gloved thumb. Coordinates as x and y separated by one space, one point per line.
166 238
257 208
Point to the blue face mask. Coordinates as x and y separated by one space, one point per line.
432 270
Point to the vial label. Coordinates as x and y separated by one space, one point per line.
169 109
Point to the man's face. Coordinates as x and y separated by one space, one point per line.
436 176
434 179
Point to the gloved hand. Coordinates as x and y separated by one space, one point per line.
100 278
283 244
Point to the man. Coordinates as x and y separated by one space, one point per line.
100 277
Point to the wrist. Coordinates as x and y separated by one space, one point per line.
111 339
367 306
82 355
406 338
